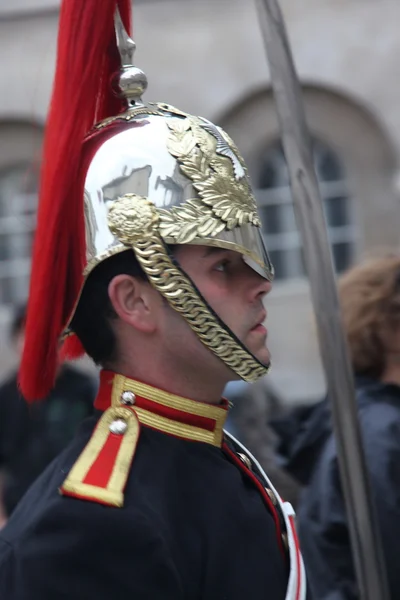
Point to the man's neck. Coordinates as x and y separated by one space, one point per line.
209 392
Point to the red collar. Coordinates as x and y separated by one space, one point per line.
160 410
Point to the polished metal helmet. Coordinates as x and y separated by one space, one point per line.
188 169
163 177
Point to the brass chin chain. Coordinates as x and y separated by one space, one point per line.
134 221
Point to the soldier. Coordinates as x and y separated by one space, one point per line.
163 287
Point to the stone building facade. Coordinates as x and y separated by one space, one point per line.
207 57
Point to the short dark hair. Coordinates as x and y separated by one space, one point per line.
94 314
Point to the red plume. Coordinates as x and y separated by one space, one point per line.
87 57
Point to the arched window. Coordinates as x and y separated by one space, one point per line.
277 214
18 202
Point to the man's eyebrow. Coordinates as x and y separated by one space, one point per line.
210 250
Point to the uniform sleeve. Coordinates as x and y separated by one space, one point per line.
83 551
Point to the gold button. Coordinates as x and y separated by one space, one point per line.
245 460
272 496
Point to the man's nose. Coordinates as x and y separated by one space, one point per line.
259 286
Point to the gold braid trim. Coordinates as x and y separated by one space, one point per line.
134 221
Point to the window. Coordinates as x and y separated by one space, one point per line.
18 201
277 214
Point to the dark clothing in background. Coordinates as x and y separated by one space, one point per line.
31 436
301 438
321 515
193 526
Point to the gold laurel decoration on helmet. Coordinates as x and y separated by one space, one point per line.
233 147
225 201
131 217
171 282
189 220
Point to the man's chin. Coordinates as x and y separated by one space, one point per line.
265 359
263 355
258 348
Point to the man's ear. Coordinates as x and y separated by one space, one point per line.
134 301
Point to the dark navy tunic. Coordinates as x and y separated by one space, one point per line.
193 526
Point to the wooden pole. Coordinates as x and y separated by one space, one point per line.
364 532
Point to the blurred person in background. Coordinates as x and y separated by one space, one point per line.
370 302
301 434
31 436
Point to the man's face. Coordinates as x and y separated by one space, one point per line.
233 290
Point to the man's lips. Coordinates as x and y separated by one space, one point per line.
259 324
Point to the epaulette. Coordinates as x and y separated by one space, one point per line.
101 471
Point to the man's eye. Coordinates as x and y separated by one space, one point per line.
222 266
